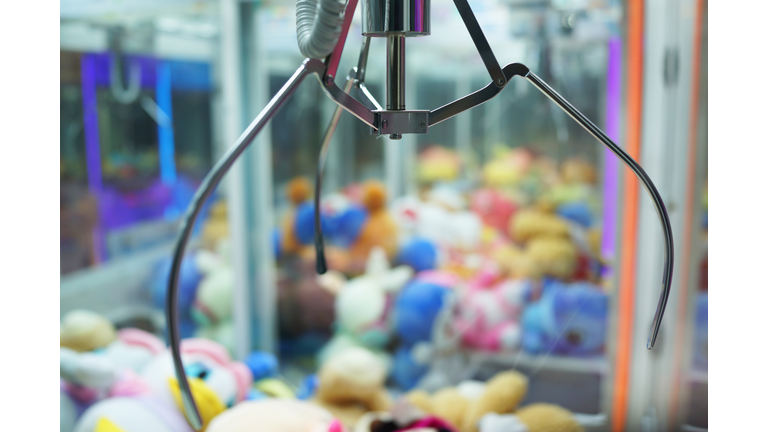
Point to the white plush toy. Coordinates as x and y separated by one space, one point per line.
362 308
443 219
212 308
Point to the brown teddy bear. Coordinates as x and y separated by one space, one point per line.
466 405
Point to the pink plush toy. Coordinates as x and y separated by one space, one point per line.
493 207
216 380
489 312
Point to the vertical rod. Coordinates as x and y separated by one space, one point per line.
395 75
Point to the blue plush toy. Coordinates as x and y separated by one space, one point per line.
308 387
189 279
416 309
419 253
406 371
344 229
577 212
568 319
304 224
262 365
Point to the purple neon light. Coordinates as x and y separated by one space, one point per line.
612 124
92 151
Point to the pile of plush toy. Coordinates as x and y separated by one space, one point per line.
416 285
123 381
512 264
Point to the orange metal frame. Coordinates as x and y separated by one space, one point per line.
627 267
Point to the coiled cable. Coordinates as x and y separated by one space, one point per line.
318 26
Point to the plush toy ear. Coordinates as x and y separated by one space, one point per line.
136 337
213 350
377 261
396 278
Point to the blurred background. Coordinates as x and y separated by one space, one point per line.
517 240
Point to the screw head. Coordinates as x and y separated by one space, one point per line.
421 123
500 81
329 79
384 124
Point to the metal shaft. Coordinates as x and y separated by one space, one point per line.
395 75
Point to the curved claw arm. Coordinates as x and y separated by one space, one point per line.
204 191
661 210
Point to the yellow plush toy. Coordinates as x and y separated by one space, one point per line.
464 410
83 331
467 406
216 227
351 383
297 191
530 223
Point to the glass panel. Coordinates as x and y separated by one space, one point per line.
138 104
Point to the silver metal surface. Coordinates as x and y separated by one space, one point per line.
474 99
395 72
647 183
333 60
320 262
349 103
204 191
402 122
387 17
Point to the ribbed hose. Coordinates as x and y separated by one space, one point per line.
318 26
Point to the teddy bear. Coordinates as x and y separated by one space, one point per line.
473 406
298 191
350 384
380 229
465 405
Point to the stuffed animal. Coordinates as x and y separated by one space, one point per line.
216 227
507 168
420 254
215 380
437 163
68 412
111 371
568 319
83 331
493 207
474 406
275 415
489 315
298 191
212 307
465 405
441 219
416 310
351 383
362 308
380 229
189 279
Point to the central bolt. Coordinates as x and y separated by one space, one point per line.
384 124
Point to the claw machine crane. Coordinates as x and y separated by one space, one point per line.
547 35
